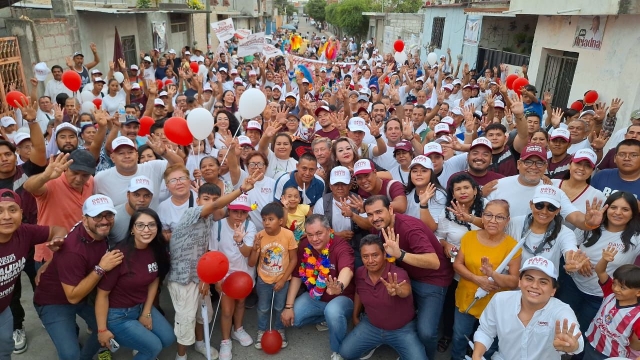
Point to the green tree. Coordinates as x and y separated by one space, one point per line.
347 15
316 9
284 7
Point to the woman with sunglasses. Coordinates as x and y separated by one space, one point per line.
463 210
620 228
481 251
124 302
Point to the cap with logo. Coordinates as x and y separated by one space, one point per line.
443 139
252 73
448 87
432 148
240 203
158 102
456 111
222 69
11 196
20 137
363 166
585 154
441 128
340 174
83 161
161 94
560 133
364 98
237 80
456 82
291 94
66 126
207 87
134 67
403 145
498 104
78 53
244 141
140 182
234 71
533 150
254 125
542 264
121 141
481 141
357 124
96 71
7 121
423 161
135 86
97 204
130 119
98 80
547 193
322 108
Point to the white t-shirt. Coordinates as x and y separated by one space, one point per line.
565 241
55 87
386 160
584 144
278 167
171 213
222 241
114 185
261 194
518 197
455 164
589 285
111 103
436 205
581 201
398 174
338 222
227 179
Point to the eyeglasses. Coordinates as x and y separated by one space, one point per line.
631 156
538 163
256 165
175 180
140 226
106 215
218 107
498 218
292 120
541 205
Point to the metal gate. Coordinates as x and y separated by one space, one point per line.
558 76
11 71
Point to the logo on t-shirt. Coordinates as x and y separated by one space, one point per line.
153 267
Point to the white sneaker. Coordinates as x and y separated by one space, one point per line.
322 326
369 354
336 356
258 343
20 341
178 357
242 337
225 350
200 347
285 343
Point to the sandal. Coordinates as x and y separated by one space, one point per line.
443 344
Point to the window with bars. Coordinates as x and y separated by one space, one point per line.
129 49
178 27
437 30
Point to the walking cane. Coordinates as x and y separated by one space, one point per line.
467 357
205 316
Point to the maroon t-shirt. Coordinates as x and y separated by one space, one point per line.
340 256
504 163
13 255
417 238
560 169
480 180
129 281
395 189
333 134
608 161
70 265
377 301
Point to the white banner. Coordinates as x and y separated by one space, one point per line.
254 43
589 32
242 33
472 30
270 51
224 29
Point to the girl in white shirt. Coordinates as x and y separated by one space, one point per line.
115 98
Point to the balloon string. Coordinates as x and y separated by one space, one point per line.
273 295
215 316
234 136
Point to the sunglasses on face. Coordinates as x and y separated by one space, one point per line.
542 205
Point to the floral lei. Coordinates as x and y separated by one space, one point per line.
314 271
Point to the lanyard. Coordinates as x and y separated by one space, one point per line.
401 177
526 230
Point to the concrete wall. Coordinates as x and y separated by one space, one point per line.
401 26
500 32
583 7
453 35
612 70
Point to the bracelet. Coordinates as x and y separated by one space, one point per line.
377 137
590 227
147 315
103 330
239 244
289 307
469 133
424 206
98 270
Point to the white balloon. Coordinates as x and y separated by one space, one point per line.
200 123
86 96
118 76
432 58
202 70
87 107
400 57
252 103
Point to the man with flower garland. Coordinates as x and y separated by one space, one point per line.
326 270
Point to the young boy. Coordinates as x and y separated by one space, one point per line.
296 212
189 241
275 251
615 330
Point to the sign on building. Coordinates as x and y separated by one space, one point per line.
472 30
589 32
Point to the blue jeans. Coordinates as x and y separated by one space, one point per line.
60 323
465 325
265 292
6 334
129 332
365 337
336 312
428 300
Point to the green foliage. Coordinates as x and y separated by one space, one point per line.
143 4
316 9
399 6
195 5
283 5
347 15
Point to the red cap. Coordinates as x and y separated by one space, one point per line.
533 150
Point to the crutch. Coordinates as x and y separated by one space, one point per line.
205 316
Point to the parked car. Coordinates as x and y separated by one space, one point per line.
312 22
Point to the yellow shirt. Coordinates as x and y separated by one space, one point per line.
473 252
274 255
295 221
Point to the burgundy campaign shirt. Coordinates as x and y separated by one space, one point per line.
480 180
378 303
395 189
70 265
340 257
128 282
13 255
505 163
560 169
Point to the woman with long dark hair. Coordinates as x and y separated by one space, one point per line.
124 303
226 126
229 101
425 196
620 228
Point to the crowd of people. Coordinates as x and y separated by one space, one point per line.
411 205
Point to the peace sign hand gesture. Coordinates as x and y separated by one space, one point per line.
333 286
391 242
238 233
565 340
393 287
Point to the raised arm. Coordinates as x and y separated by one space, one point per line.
522 135
96 58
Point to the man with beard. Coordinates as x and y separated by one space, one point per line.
559 141
358 130
479 161
66 136
418 251
369 184
303 178
55 86
324 115
72 275
139 195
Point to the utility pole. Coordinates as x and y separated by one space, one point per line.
207 7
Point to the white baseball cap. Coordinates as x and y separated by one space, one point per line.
447 120
441 127
7 121
498 104
252 73
133 67
560 133
206 87
363 166
97 204
121 141
357 124
171 51
542 264
237 80
254 125
20 137
162 93
240 203
135 86
423 161
187 53
158 102
448 87
443 139
547 193
340 174
456 110
140 182
147 58
456 82
432 148
66 126
481 141
582 154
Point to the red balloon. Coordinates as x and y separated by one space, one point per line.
14 97
591 97
398 45
177 131
145 126
194 67
238 285
71 79
97 102
577 106
510 79
213 265
271 342
159 84
519 84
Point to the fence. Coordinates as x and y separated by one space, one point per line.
558 76
11 70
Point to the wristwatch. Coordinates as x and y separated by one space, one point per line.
341 286
402 254
98 270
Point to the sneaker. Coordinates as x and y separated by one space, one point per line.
20 341
336 356
322 326
258 343
200 347
284 338
104 355
178 357
225 350
369 354
242 337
